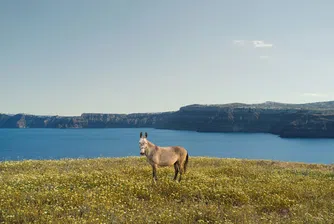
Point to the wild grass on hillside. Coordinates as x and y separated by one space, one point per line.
121 191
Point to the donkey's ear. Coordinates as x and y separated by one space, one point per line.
141 134
145 134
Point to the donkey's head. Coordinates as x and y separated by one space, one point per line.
143 144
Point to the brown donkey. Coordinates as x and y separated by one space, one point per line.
163 156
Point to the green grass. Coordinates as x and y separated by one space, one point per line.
120 190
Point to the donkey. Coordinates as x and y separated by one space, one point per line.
163 156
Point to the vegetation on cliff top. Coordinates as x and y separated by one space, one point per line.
121 190
315 106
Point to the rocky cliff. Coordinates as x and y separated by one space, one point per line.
313 120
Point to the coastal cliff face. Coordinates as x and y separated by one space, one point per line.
124 120
285 123
84 121
314 126
285 120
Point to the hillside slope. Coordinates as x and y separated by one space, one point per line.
120 190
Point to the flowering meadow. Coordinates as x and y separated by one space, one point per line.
121 190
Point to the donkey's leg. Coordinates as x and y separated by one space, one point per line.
176 167
180 175
181 170
154 167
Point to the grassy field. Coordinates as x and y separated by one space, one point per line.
120 190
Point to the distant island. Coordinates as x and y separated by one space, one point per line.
309 120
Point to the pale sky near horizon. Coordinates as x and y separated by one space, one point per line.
70 57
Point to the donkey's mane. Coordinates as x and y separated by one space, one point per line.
151 144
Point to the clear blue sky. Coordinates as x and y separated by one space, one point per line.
69 57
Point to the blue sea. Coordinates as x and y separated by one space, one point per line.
23 144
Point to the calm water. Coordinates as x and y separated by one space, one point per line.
20 144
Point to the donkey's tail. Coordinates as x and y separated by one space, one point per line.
185 164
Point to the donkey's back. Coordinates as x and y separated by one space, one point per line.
170 155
